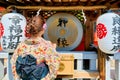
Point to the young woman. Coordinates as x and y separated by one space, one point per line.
41 49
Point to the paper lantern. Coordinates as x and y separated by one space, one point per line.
108 32
14 31
1 30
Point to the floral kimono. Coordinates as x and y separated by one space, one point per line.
42 50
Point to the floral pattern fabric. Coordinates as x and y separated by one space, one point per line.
42 50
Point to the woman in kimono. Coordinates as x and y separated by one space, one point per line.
41 49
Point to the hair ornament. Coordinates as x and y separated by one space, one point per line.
38 12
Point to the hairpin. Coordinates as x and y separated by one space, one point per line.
38 12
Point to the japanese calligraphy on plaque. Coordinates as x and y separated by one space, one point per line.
14 31
65 30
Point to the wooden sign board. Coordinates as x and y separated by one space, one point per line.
65 30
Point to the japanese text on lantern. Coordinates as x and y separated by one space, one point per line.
11 40
116 33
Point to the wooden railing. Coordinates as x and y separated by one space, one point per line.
4 56
113 72
85 66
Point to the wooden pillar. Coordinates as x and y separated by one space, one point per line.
89 27
88 31
101 64
25 13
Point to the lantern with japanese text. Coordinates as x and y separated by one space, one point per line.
14 31
108 33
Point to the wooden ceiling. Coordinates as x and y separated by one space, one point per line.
108 3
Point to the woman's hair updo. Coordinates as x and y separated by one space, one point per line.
35 25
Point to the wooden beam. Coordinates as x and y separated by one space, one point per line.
2 1
89 2
48 1
114 1
86 74
99 2
82 74
37 1
83 0
20 1
61 8
11 1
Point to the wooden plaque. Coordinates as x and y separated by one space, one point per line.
65 30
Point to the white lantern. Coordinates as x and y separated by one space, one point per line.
14 31
108 32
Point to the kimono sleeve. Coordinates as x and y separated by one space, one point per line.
13 61
53 60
